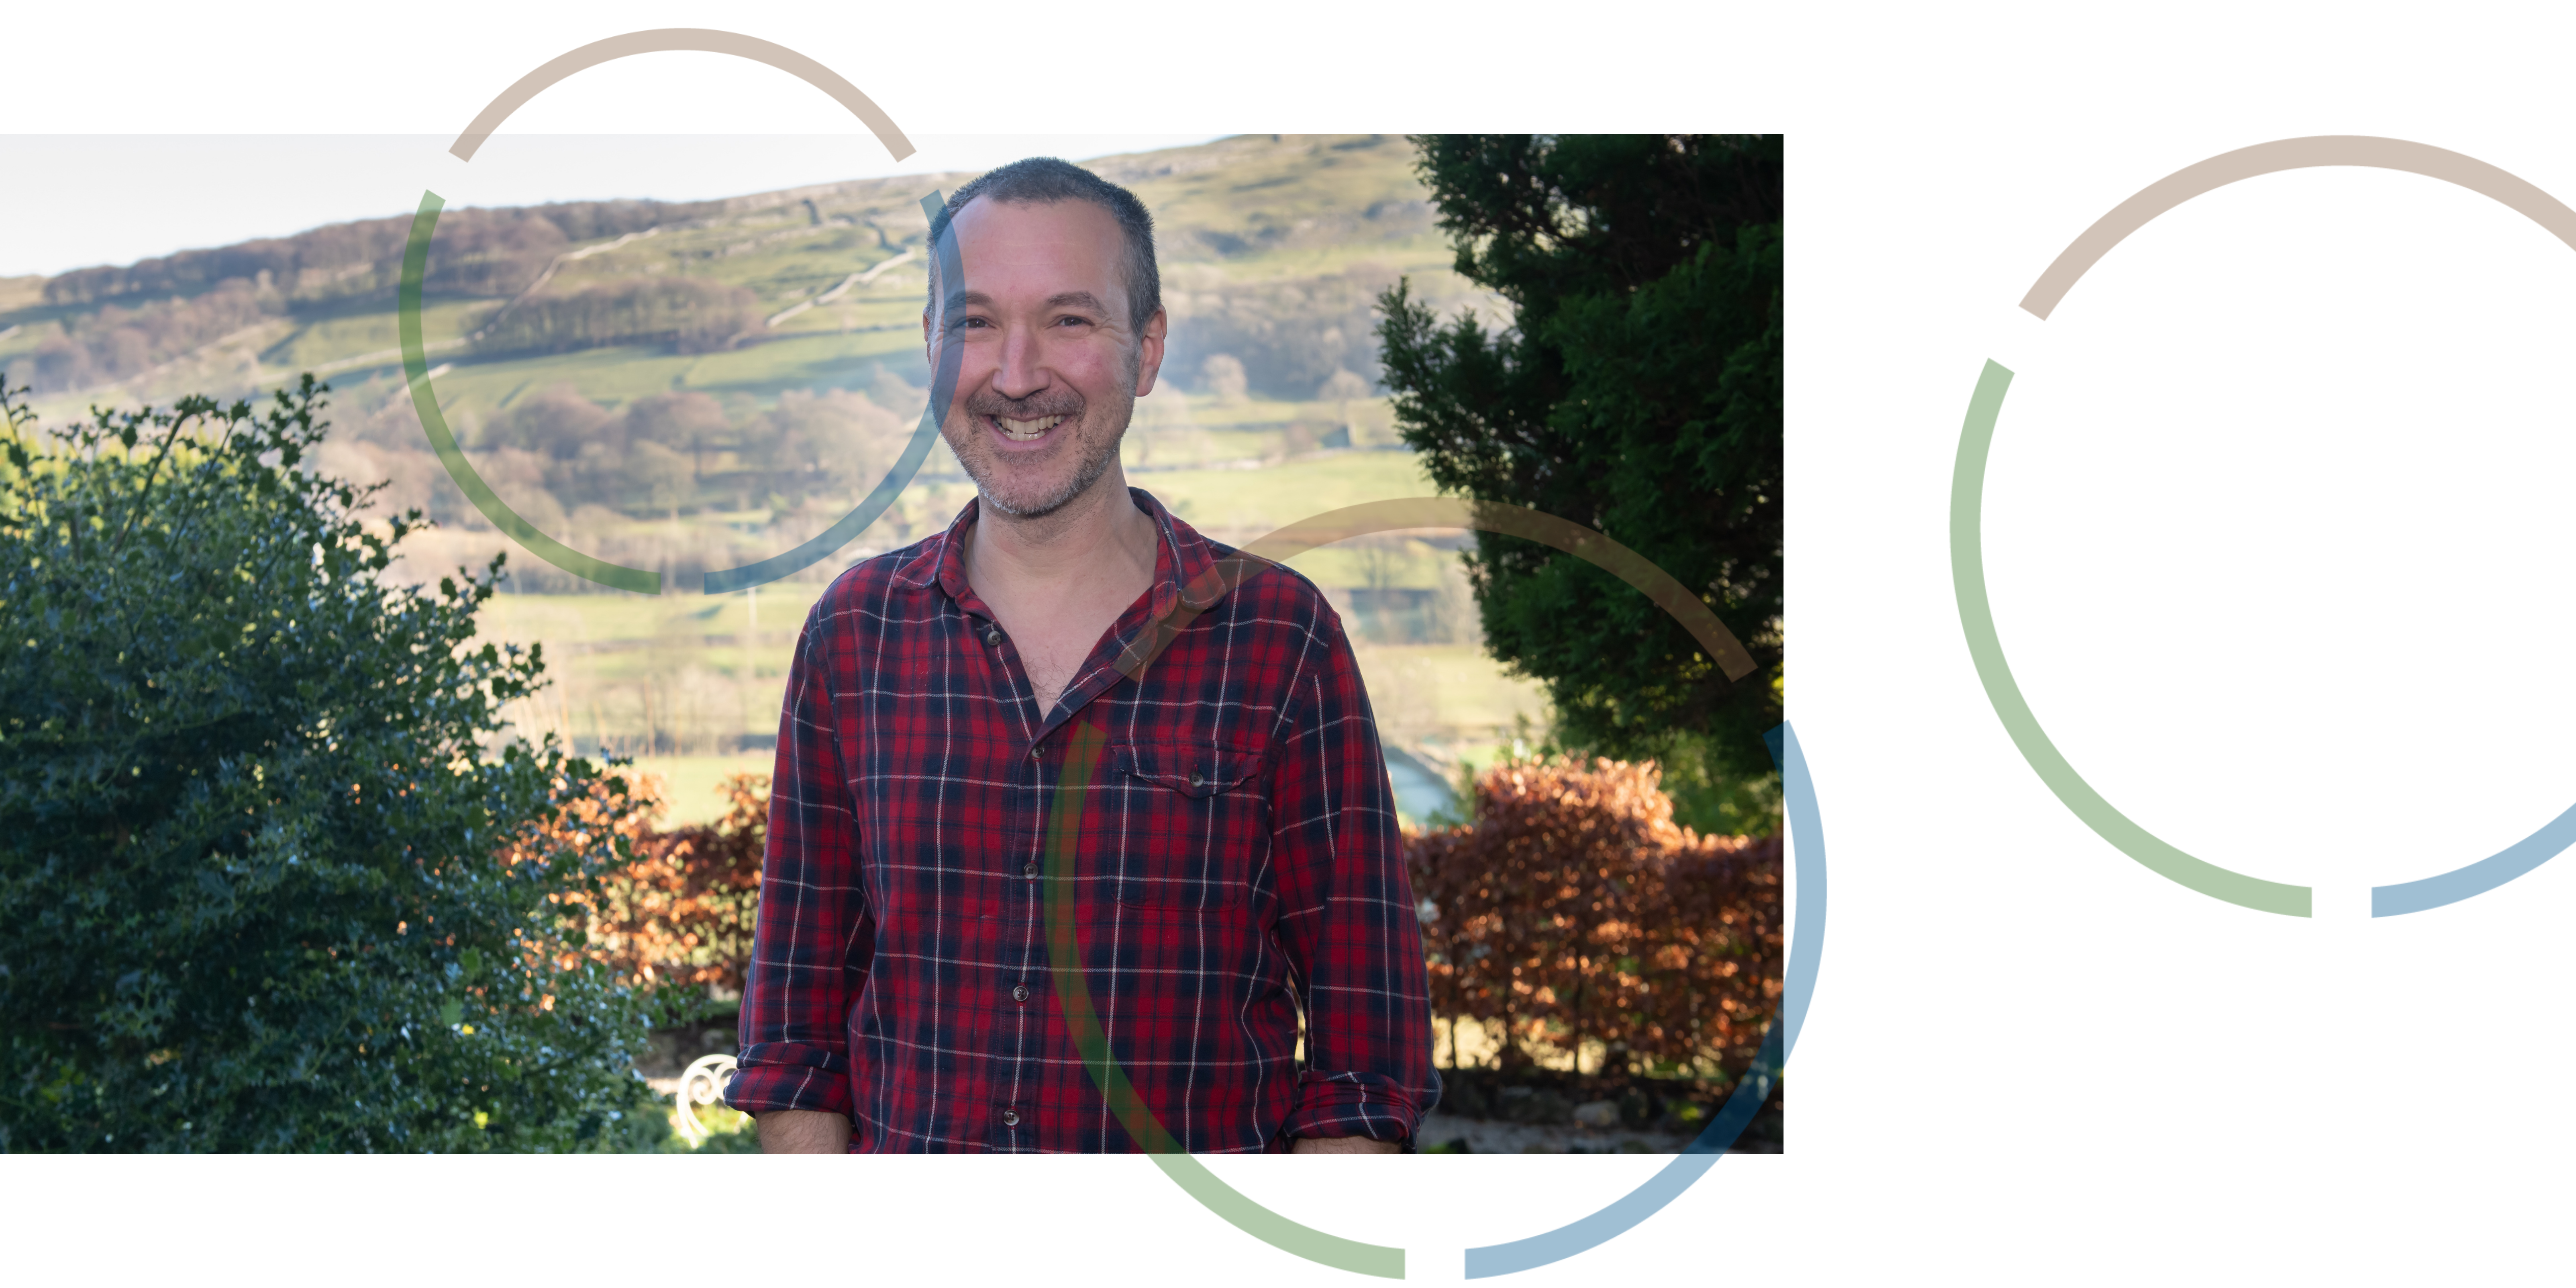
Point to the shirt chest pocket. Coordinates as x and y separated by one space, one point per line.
1193 825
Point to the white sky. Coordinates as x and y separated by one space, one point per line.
260 119
267 185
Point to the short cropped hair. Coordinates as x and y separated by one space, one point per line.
1045 181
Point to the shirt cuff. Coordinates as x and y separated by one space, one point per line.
790 1075
1352 1104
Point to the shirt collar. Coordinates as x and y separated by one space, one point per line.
1187 573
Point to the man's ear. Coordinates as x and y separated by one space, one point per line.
1149 352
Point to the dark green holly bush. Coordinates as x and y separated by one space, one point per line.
264 883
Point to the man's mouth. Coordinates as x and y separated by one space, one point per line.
1025 431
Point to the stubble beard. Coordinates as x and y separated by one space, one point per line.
1097 453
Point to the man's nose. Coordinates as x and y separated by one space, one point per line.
1021 372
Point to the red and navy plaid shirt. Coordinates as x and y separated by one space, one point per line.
1231 859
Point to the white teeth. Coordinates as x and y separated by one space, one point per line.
1023 431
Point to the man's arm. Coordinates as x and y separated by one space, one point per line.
810 945
804 1131
1346 915
1316 1145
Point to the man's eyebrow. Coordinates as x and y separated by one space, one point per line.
1077 300
1061 300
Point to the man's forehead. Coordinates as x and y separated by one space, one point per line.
1031 240
1071 223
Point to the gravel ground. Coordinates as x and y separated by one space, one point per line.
1442 1132
1486 1136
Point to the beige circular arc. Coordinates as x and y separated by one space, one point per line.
2292 154
702 40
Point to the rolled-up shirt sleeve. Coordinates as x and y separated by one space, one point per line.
1347 921
811 944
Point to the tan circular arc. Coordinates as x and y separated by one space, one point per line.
693 39
1400 513
2291 154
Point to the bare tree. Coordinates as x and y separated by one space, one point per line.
1343 388
1221 377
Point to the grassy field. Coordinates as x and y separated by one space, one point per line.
683 682
693 785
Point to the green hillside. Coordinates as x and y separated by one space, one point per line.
1273 248
687 386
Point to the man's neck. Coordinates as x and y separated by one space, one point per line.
1089 536
1057 583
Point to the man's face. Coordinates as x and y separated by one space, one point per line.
1048 368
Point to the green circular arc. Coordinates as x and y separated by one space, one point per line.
415 354
424 400
1977 619
1082 761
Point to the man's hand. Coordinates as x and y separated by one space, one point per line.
803 1131
1342 1145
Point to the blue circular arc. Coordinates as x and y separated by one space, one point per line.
2479 877
1806 950
943 388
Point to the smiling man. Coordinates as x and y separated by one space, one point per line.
1230 859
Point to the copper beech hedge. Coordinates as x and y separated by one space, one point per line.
1574 910
680 910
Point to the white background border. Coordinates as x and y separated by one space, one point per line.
2029 1061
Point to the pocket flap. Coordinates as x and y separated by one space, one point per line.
1191 771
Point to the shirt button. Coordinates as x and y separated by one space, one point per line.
1019 992
993 636
1028 869
1010 1117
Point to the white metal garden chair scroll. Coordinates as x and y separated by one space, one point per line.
702 1083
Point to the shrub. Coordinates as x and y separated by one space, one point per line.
681 913
1573 910
261 885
